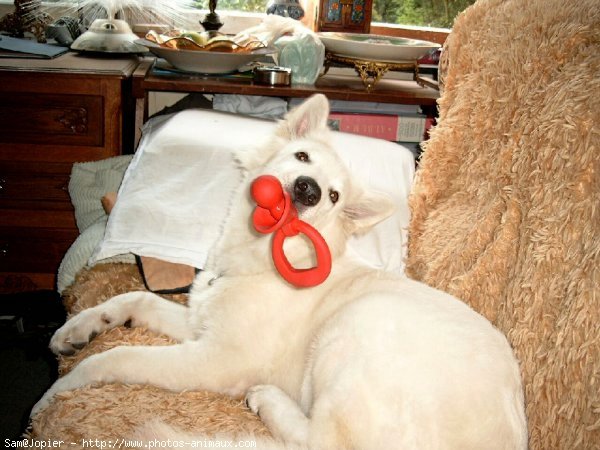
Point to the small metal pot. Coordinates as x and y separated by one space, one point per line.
273 76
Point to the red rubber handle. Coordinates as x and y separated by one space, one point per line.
276 213
302 277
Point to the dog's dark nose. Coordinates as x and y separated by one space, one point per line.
307 191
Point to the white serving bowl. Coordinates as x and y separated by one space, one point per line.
373 47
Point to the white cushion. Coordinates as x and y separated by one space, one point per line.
174 195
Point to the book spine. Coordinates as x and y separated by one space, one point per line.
402 128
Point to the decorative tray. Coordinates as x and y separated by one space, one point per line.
372 47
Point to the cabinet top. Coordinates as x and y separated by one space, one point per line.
72 62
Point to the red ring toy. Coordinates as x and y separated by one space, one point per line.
275 213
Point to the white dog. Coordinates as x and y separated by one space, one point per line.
365 360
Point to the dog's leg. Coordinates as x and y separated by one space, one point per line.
193 364
138 308
282 415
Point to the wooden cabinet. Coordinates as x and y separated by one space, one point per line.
352 16
53 113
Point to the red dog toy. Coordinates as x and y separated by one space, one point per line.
275 213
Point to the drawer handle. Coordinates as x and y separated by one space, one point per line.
4 250
75 120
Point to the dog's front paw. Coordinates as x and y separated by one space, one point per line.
79 331
280 413
259 395
253 398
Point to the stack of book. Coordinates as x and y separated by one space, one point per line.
392 122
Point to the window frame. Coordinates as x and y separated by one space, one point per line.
437 35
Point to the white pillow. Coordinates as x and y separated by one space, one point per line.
174 195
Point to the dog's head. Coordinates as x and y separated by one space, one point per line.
323 190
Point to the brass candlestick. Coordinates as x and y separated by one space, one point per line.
212 21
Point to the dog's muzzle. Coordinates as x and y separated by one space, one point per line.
307 191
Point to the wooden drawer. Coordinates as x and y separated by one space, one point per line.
25 185
34 118
30 257
33 250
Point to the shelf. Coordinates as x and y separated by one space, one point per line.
335 87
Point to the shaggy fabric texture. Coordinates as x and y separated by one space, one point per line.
110 411
506 206
506 214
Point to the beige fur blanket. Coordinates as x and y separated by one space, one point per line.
506 207
102 414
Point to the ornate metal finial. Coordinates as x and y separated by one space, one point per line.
212 21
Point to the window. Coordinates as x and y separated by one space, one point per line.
426 13
259 6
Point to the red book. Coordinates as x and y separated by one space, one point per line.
404 128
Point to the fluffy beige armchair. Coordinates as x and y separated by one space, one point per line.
506 206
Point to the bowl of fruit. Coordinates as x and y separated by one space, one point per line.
208 52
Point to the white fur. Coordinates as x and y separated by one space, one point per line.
366 360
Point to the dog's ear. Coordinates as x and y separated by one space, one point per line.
304 119
367 211
307 117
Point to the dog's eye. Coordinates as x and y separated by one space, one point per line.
334 196
302 156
